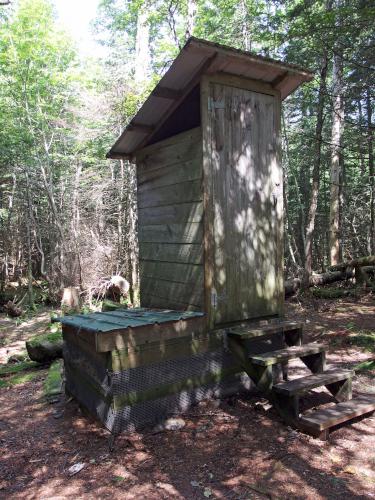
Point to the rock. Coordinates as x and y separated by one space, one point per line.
174 424
45 348
74 469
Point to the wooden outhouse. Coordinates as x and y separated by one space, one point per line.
210 187
210 203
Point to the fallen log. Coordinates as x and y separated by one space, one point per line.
363 261
360 268
292 285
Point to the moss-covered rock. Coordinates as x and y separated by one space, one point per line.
45 348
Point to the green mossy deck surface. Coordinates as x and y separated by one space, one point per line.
125 318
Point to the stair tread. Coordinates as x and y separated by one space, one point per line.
304 384
257 331
273 357
325 418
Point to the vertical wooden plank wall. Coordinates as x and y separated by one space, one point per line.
241 164
170 211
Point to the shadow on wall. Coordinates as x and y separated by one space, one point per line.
247 198
244 217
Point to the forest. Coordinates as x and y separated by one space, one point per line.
68 216
229 382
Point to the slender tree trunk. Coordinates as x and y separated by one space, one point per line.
316 169
191 17
142 49
337 129
120 217
29 246
301 212
246 41
371 170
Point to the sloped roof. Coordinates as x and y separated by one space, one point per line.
196 58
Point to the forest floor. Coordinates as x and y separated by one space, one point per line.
236 448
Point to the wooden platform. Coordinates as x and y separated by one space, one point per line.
272 328
324 419
274 357
304 384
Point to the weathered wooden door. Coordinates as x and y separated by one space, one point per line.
247 204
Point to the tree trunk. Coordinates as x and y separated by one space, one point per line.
29 246
316 169
363 261
142 50
371 170
337 128
292 285
191 17
246 42
70 300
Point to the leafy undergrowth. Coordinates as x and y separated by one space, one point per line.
365 340
11 368
365 366
20 378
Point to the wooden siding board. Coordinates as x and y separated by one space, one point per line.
191 232
182 292
171 214
167 195
175 272
170 223
188 253
157 301
181 147
169 175
133 337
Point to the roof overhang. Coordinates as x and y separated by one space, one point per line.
196 58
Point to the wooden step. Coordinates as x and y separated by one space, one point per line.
304 384
274 357
248 332
324 419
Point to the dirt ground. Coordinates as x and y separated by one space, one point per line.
236 448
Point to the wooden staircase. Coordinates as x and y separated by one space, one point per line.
285 395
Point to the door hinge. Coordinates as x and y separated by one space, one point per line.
215 104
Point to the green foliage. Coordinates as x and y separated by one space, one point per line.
60 115
365 366
364 339
20 378
11 368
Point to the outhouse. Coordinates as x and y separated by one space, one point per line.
206 144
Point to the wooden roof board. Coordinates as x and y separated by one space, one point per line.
125 318
199 57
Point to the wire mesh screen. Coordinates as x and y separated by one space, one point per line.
143 396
